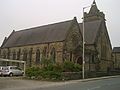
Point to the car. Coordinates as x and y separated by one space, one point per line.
1 68
11 71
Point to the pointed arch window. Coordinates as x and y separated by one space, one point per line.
37 56
70 55
18 54
8 56
79 60
24 55
4 54
93 59
64 54
30 57
14 55
53 55
44 52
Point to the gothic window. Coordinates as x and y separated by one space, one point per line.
92 61
71 56
44 52
4 54
37 56
8 56
14 55
25 55
30 57
79 60
53 55
64 55
18 54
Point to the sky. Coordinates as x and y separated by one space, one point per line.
22 14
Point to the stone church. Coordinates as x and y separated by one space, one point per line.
63 41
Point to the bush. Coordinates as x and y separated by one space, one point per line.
45 61
77 68
33 72
52 71
54 75
53 67
69 66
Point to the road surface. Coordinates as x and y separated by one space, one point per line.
19 84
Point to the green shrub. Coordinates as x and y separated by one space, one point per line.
52 71
69 66
53 67
33 71
45 61
77 68
51 75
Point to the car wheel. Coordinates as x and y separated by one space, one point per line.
11 74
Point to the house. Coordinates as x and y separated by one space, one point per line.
116 57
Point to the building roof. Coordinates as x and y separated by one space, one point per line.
50 33
116 50
91 31
42 34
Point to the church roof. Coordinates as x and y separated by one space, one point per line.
91 31
116 50
42 34
51 33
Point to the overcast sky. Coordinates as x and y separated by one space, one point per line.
21 14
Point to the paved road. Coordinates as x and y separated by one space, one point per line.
106 84
19 84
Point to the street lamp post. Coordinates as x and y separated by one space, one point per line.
83 66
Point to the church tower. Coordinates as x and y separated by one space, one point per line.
94 13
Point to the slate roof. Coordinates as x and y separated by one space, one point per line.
116 50
91 30
42 34
51 33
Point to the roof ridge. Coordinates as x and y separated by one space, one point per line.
44 25
42 34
